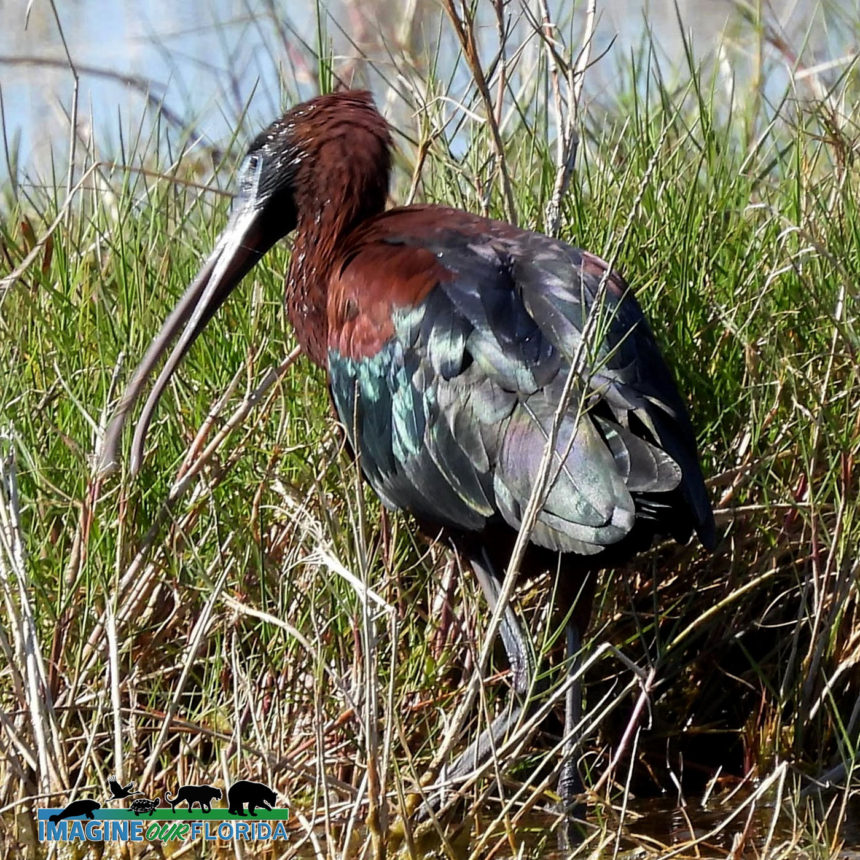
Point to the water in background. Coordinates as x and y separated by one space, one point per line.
219 65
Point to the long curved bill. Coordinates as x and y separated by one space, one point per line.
241 244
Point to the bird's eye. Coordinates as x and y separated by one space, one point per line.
249 175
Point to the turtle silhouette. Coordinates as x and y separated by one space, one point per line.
76 809
143 805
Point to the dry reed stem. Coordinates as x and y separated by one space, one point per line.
464 26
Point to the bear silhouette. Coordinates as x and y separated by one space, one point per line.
254 794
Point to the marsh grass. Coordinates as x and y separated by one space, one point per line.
244 609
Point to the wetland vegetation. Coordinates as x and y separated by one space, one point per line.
243 606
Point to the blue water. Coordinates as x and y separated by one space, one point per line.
219 65
209 62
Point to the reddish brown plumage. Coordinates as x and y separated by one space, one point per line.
341 179
371 281
347 268
377 267
598 267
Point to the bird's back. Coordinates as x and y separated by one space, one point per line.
458 335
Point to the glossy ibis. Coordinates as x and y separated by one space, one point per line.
461 352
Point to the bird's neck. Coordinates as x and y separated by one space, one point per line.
329 213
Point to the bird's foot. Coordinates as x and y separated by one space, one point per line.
571 806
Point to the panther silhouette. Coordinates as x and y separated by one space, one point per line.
202 794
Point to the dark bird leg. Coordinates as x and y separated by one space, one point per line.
569 780
575 590
523 670
526 691
522 665
519 654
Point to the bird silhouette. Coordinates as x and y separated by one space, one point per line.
472 363
120 792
